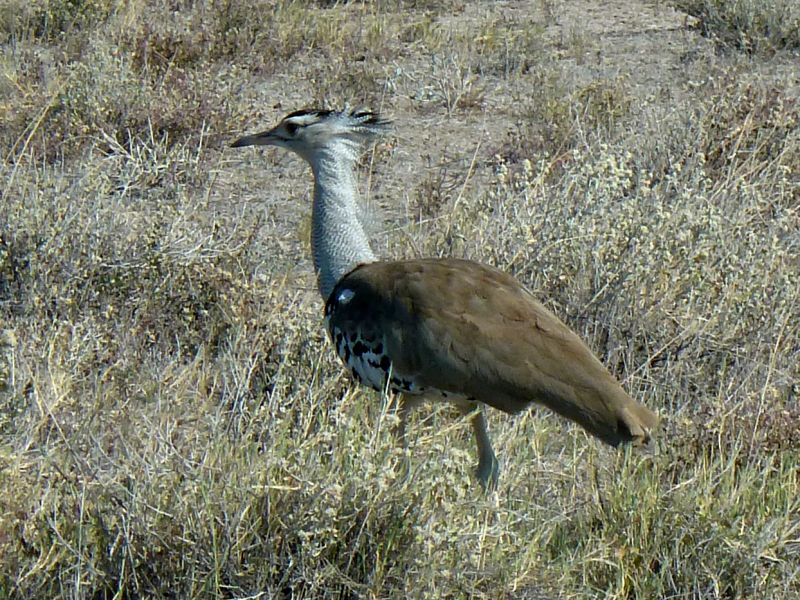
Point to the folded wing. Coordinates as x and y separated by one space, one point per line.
469 329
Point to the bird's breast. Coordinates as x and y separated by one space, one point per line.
366 358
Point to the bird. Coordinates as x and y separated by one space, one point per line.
440 329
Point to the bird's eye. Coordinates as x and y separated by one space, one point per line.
291 128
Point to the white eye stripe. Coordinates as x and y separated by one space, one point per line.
303 120
345 296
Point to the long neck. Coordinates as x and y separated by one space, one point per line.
338 240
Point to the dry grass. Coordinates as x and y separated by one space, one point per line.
751 26
172 421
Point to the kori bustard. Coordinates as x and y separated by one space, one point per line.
440 328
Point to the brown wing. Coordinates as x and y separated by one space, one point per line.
462 327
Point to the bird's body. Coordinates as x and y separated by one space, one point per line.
457 327
441 328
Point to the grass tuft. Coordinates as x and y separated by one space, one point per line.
748 25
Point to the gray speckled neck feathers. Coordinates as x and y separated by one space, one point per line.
330 142
338 240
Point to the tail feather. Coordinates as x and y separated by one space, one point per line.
611 415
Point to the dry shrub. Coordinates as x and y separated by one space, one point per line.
154 69
751 131
753 26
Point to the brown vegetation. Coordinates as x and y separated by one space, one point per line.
173 422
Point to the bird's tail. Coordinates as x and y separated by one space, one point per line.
608 413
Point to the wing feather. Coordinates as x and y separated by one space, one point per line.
466 328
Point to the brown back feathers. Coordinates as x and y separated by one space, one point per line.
468 329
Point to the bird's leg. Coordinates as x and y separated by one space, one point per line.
488 469
405 404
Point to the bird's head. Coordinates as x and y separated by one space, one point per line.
311 132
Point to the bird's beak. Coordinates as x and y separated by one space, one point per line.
265 138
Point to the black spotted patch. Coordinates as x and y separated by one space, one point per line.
359 349
365 359
363 351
